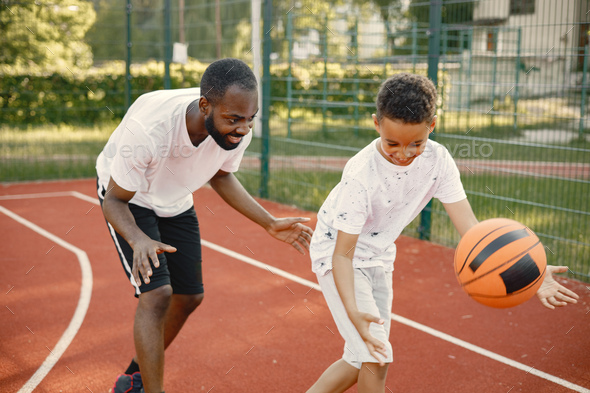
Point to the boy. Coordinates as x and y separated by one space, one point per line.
383 188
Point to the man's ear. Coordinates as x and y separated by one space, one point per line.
204 105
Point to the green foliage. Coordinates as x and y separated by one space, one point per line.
77 96
83 96
108 35
41 35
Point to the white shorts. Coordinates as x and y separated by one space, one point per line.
374 295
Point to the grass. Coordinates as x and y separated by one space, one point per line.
51 152
457 131
64 152
560 228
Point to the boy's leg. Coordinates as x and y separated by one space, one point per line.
336 379
372 378
373 294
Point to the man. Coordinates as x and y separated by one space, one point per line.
169 144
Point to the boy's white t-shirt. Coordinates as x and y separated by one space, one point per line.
151 154
377 200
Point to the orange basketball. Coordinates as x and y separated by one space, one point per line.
500 263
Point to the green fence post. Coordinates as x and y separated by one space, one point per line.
461 67
356 76
325 82
583 98
414 45
167 44
469 69
444 51
290 72
435 24
128 58
517 79
266 80
494 72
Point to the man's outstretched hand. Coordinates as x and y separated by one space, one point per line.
292 231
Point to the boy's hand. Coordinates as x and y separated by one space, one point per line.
361 322
551 293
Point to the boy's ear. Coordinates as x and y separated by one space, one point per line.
376 122
432 124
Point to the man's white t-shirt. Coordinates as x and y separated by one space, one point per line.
377 200
150 153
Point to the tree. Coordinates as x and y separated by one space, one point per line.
44 35
204 30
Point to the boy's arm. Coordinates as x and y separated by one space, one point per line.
344 279
551 293
461 215
288 229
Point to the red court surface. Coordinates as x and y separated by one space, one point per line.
257 330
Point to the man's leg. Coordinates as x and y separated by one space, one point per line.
156 326
148 332
184 265
181 306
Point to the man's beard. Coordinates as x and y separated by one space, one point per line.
217 136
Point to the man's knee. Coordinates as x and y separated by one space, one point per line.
156 300
191 302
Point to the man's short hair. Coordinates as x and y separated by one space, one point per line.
224 73
408 98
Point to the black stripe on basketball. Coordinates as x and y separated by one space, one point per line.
476 244
521 274
495 245
487 296
508 262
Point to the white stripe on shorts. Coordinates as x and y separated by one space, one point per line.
124 260
126 264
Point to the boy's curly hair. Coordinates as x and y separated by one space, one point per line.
406 97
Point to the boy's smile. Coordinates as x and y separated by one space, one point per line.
400 143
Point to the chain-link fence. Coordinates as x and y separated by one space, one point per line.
512 77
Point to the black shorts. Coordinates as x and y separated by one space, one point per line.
181 269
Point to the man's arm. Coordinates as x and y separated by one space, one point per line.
290 230
551 293
115 208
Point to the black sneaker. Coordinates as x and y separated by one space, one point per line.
126 383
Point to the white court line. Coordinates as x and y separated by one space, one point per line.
35 196
489 354
407 322
394 317
83 302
